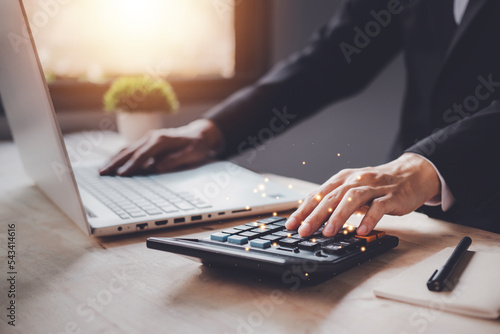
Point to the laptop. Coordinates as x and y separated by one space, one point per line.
108 205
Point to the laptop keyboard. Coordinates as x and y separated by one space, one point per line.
135 197
271 233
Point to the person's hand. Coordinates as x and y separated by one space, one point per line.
167 149
396 188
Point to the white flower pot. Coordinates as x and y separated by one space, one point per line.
133 125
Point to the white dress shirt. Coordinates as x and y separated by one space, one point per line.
459 10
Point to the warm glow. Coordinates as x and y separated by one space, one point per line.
318 197
99 38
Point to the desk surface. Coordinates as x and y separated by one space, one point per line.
67 282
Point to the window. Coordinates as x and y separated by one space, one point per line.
205 48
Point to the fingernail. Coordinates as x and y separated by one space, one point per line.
290 223
305 229
328 230
362 230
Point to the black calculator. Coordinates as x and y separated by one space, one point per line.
265 245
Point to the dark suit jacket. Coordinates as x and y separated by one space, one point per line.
451 111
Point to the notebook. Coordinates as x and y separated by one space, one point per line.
476 290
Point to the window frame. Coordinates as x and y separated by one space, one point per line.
252 57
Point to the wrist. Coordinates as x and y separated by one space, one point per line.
424 172
210 134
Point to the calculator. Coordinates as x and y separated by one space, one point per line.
266 246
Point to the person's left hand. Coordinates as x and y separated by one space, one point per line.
396 188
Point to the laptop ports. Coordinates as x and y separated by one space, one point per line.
161 222
141 227
179 220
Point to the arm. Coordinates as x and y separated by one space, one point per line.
323 72
466 154
294 89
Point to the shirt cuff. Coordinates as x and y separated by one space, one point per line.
446 198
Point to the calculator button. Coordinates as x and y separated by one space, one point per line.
299 237
372 236
358 242
283 234
325 241
243 227
238 240
272 238
262 230
280 223
288 242
308 245
249 235
274 228
231 231
260 243
271 220
333 249
219 236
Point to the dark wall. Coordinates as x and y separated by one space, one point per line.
361 128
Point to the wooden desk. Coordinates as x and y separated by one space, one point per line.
67 282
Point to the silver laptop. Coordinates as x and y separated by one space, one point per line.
113 205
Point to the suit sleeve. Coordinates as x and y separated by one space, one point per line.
333 65
467 155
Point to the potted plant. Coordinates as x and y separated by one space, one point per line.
141 103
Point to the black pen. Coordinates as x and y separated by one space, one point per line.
439 278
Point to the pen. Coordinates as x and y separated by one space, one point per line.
439 278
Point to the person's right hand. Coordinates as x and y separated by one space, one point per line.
165 150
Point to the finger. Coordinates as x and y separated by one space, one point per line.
309 204
119 159
322 211
116 162
138 160
377 209
353 199
185 157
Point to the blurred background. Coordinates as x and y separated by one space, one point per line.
208 49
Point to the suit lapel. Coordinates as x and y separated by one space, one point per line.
470 14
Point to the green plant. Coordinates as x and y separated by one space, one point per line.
140 93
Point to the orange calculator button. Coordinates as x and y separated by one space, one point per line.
372 236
